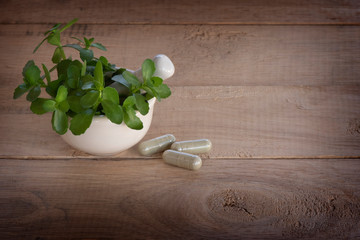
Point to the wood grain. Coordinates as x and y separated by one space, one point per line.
242 122
147 199
273 84
183 12
224 55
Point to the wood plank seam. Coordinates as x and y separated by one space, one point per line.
95 158
196 23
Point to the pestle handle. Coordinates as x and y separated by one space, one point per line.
164 69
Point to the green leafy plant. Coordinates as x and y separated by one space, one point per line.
82 87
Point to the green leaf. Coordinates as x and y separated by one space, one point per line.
78 39
56 26
69 24
62 67
131 120
61 94
87 43
88 86
41 106
54 38
73 76
119 71
48 105
32 75
149 96
148 69
77 63
78 92
113 111
99 46
41 82
63 106
20 90
110 93
75 46
87 78
98 73
85 54
47 74
156 81
75 105
81 122
152 91
90 83
27 65
83 69
56 58
120 79
131 79
129 102
163 91
103 60
53 86
141 104
90 98
59 122
33 94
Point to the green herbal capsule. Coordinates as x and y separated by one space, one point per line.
181 159
192 146
156 145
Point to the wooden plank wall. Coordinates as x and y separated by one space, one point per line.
274 85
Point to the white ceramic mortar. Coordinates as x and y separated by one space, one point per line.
105 138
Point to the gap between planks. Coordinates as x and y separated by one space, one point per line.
115 158
195 24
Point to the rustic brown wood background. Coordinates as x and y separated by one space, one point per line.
275 85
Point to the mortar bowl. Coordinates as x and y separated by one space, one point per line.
104 138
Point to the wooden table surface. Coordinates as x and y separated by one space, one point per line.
275 85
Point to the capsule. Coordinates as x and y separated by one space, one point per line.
192 146
183 160
156 145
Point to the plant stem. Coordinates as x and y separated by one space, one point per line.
62 52
52 69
